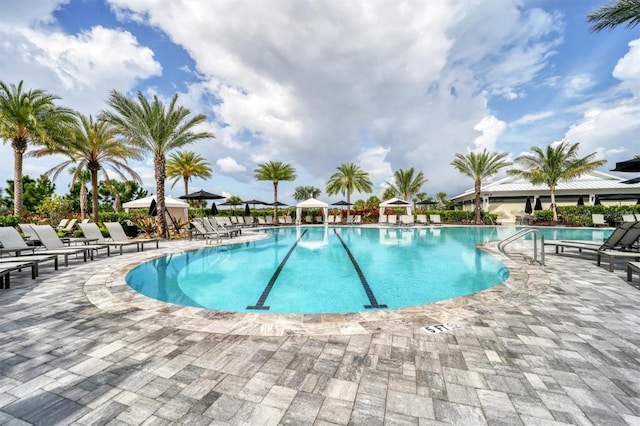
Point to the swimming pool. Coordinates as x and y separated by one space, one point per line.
331 270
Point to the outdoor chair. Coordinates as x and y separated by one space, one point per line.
628 217
202 232
434 219
261 221
16 247
49 239
382 219
68 228
598 220
319 219
62 224
357 220
91 231
308 220
392 220
421 219
117 234
407 220
18 265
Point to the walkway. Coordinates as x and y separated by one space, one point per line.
555 345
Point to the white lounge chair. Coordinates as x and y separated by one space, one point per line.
117 234
434 219
49 239
421 219
91 231
382 219
628 217
407 220
392 220
598 220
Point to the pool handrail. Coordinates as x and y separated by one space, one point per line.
522 233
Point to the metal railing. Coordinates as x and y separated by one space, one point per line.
522 233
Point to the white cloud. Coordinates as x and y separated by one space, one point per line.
531 118
229 165
577 84
491 129
627 68
372 160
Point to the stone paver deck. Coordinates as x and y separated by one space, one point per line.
553 345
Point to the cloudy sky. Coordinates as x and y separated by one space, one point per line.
383 84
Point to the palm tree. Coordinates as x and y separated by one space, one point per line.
158 129
29 117
349 177
186 165
82 178
418 197
558 163
614 13
388 193
302 193
93 146
405 185
275 171
479 166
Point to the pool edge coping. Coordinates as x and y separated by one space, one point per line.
107 290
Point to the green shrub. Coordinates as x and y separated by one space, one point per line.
10 220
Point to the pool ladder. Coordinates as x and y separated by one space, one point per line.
522 233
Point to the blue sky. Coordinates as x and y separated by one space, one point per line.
386 85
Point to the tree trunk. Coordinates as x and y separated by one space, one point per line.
19 146
477 189
553 204
94 195
186 184
275 202
117 203
159 166
348 202
83 200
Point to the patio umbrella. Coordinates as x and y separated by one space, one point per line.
254 202
247 211
527 206
214 209
153 208
341 203
426 202
233 204
277 203
400 203
538 205
596 201
201 195
580 201
628 166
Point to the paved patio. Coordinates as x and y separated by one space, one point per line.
553 345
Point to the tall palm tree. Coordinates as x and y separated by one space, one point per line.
29 117
349 177
82 178
93 146
479 166
614 13
302 193
405 185
555 164
275 171
186 165
156 128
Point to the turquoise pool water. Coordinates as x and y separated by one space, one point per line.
332 270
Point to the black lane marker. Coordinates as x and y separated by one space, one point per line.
372 298
274 277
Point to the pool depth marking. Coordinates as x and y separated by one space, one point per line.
274 277
373 303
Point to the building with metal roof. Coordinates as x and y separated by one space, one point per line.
507 197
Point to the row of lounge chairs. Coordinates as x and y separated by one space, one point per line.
216 228
622 243
18 254
409 220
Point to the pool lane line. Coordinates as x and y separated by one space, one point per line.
274 277
373 303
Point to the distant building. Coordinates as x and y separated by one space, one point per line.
507 197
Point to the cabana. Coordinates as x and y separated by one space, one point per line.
395 203
176 208
311 203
